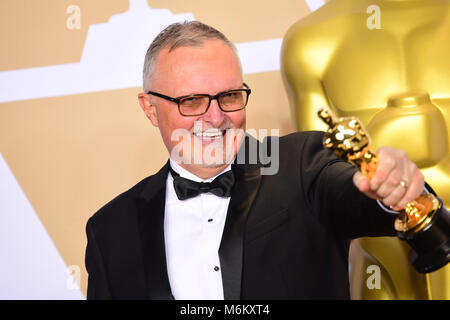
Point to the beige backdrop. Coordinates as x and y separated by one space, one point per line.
72 154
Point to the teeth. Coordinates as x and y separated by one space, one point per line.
209 133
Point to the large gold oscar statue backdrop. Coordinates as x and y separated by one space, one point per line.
387 63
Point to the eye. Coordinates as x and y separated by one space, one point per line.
194 102
189 99
231 97
193 99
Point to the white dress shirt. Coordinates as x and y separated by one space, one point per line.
193 231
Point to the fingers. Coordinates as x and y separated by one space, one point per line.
413 191
389 172
395 172
363 184
397 180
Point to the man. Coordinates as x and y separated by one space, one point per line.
251 235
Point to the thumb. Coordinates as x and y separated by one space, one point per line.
361 182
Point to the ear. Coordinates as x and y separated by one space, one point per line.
149 109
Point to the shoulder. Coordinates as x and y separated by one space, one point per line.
300 41
302 137
123 206
304 141
307 148
114 210
304 151
296 152
320 21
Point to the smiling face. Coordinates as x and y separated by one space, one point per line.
210 68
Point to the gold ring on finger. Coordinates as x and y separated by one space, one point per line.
404 184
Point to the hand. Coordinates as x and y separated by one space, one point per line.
397 180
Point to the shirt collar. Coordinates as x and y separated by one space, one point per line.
188 175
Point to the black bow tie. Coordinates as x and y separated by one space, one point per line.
220 186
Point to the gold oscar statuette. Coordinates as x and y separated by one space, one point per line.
424 223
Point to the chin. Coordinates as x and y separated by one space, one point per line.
212 165
209 161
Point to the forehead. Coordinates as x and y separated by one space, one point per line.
213 65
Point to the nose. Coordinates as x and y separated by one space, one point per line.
214 115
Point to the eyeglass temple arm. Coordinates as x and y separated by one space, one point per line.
163 96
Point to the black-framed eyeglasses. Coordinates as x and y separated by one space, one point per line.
198 104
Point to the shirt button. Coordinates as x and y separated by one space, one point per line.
216 268
210 220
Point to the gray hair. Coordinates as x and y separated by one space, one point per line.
186 34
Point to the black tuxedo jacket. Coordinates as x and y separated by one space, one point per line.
286 236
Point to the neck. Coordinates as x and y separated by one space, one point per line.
203 172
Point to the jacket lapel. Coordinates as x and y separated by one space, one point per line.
151 205
150 208
248 178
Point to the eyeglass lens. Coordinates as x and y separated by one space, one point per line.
228 101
